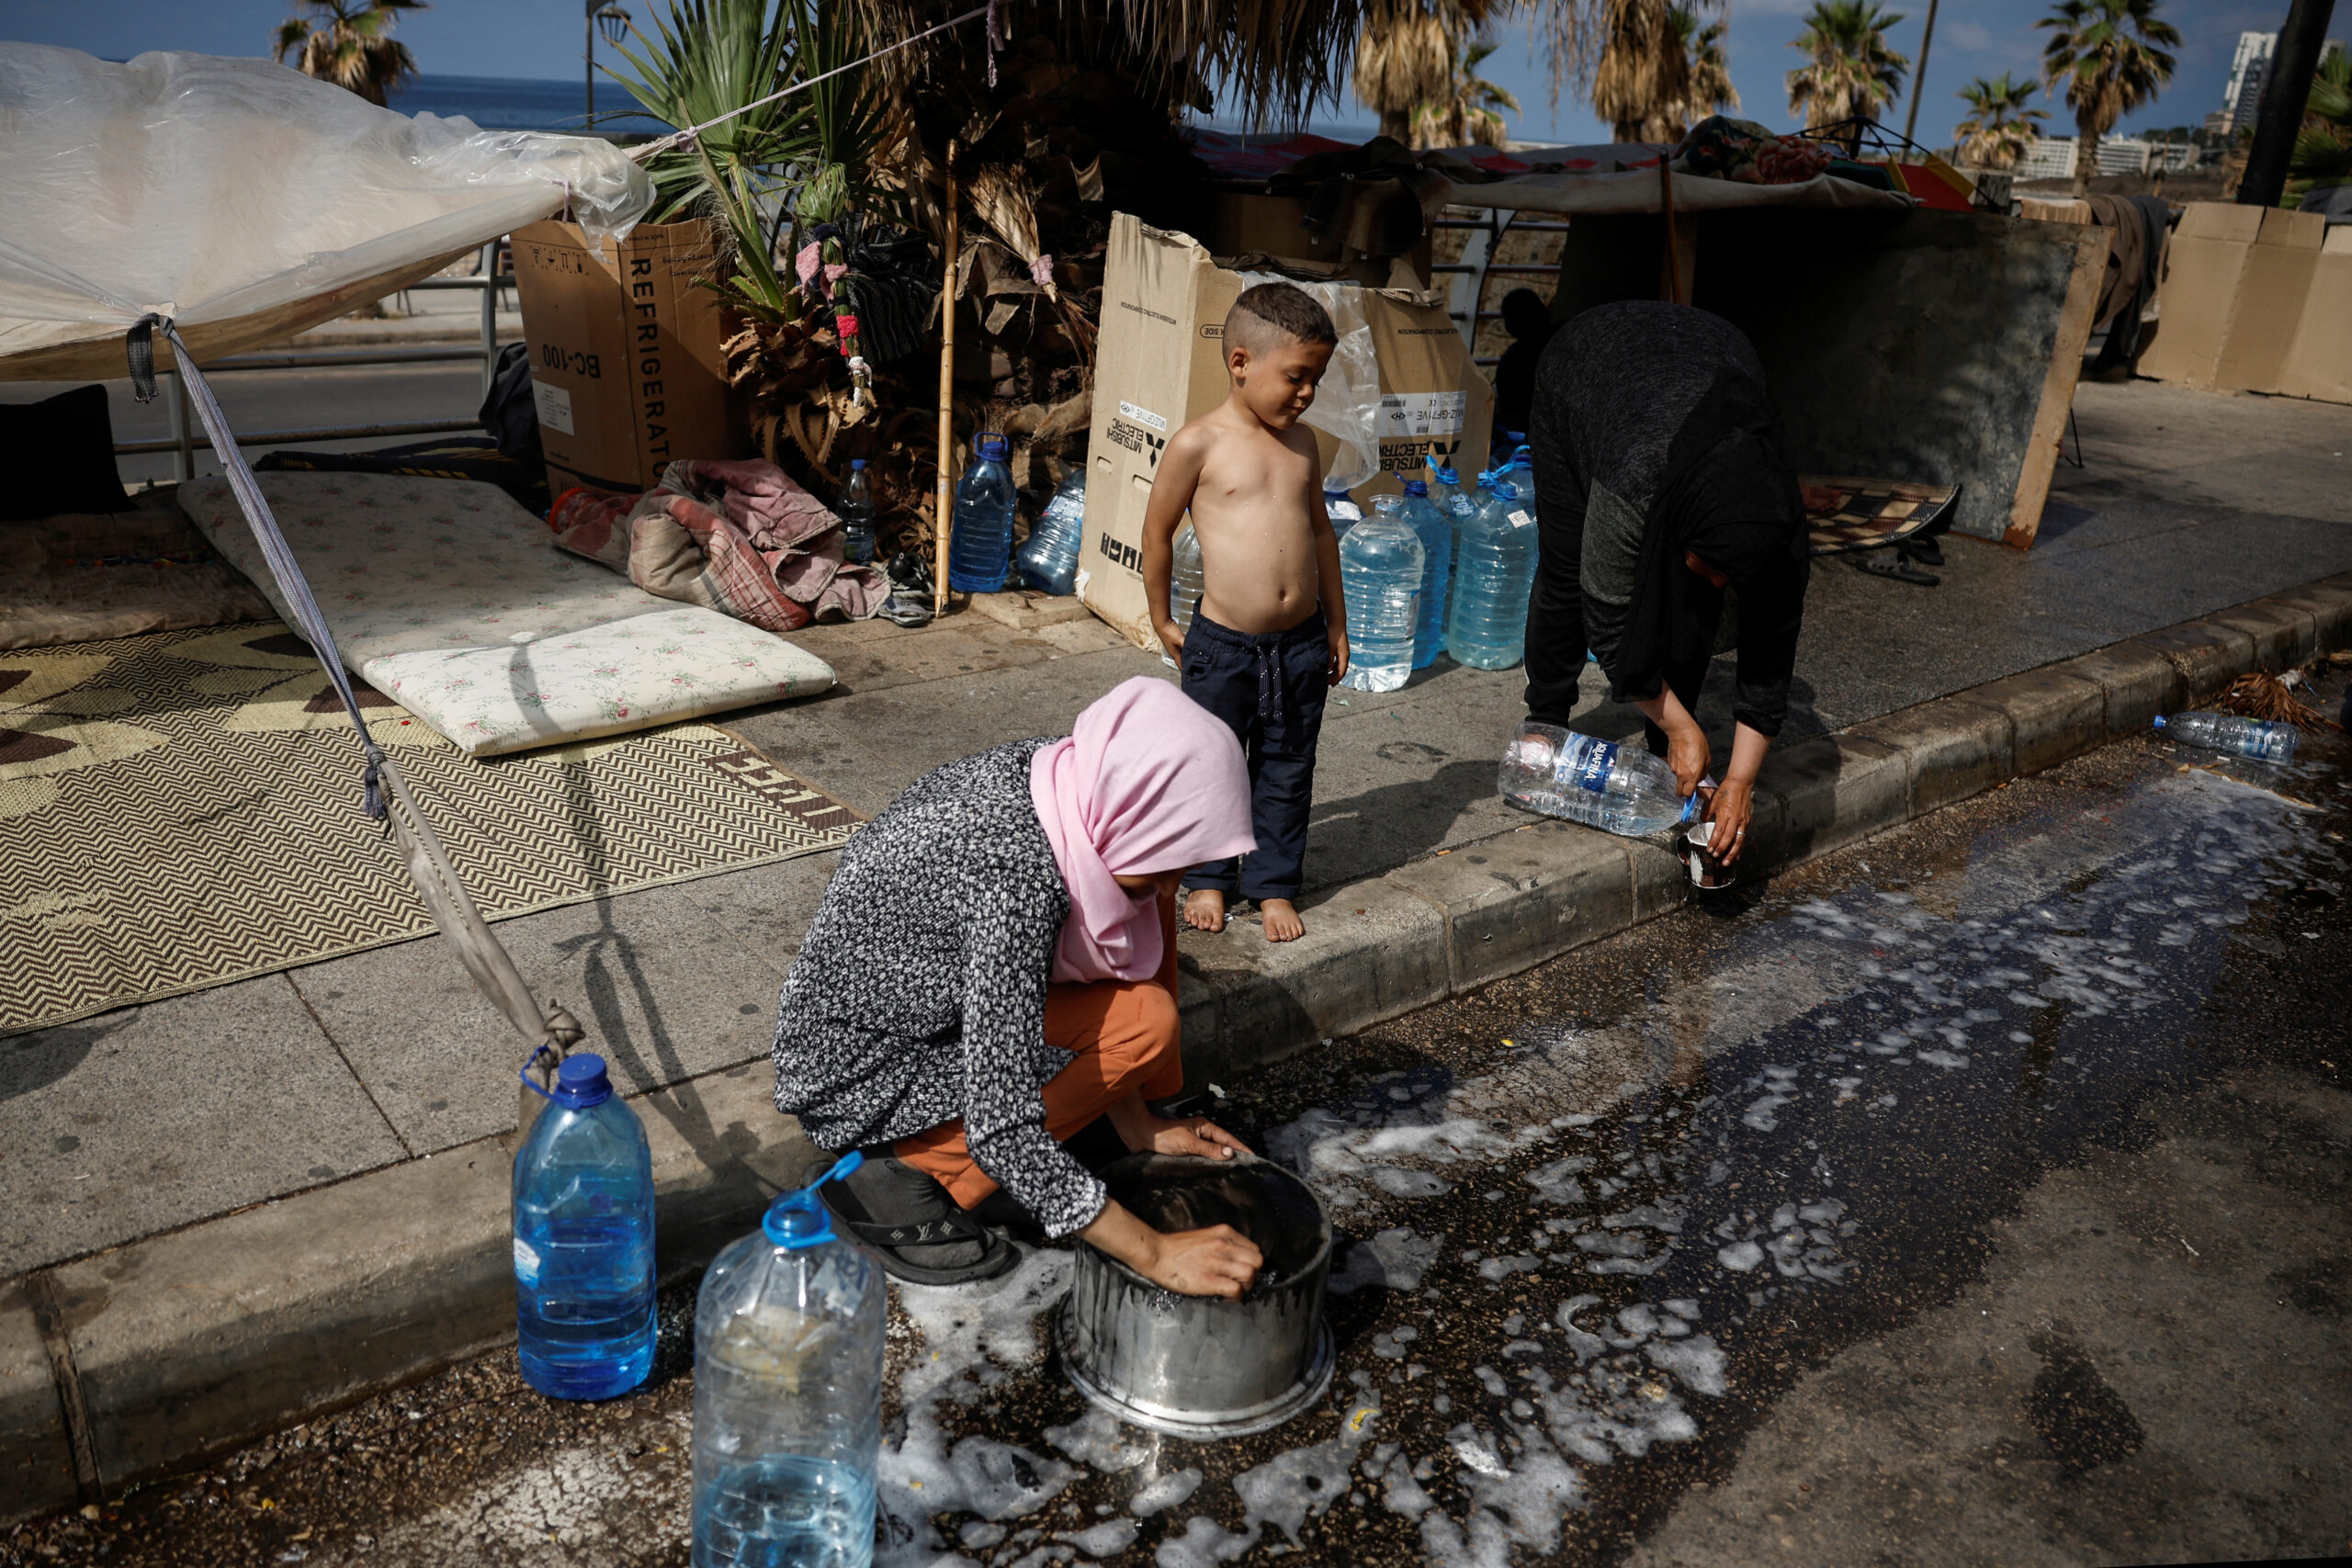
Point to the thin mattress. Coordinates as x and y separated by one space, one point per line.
446 596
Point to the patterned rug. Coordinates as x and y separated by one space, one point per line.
181 810
1864 514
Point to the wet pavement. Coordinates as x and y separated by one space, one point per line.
1979 1194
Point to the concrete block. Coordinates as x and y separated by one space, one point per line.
1371 952
2139 684
1954 749
1512 901
1661 882
36 1455
2282 634
2207 654
1026 610
2330 607
721 1153
1200 1006
1831 791
2053 715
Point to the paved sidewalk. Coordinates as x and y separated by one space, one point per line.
149 1119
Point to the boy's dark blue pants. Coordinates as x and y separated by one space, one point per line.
1270 689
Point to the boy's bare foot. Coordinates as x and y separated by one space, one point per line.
1281 917
1204 909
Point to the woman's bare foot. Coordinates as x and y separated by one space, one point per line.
1204 909
1281 917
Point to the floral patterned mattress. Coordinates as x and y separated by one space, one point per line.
448 597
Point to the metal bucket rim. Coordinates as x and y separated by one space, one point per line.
1322 1362
1321 1259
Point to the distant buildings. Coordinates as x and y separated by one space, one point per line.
2052 158
2250 73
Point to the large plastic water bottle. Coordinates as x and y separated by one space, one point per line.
1048 559
1436 531
1183 582
855 509
1342 509
1445 488
982 544
1381 563
2230 732
584 1239
1493 577
1598 783
788 1331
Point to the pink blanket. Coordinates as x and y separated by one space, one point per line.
739 537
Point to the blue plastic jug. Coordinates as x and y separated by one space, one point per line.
1380 575
1048 559
1435 530
584 1239
1493 578
788 1331
981 549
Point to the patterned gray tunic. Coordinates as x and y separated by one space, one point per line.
919 995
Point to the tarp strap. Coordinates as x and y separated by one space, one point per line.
386 795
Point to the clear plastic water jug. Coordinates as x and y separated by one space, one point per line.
1048 559
1492 578
855 509
584 1239
1435 530
1601 784
788 1331
1381 565
981 549
1342 509
1183 582
2232 732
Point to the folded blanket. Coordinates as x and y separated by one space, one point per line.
85 577
739 537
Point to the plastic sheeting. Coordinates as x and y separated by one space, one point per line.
244 199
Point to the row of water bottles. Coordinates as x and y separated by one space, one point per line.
981 553
788 1333
1440 569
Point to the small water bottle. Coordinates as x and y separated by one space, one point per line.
1436 531
1048 559
2230 732
1183 583
981 549
1598 783
1381 564
1493 577
855 509
788 1331
1342 509
584 1239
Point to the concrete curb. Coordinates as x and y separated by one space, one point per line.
148 1356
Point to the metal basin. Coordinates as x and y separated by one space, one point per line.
1195 1366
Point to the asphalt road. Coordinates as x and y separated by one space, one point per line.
1981 1194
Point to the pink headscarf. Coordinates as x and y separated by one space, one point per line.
1149 782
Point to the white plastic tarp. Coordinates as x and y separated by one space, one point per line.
244 199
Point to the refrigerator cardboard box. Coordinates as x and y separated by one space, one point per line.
2233 290
2320 363
625 365
1160 363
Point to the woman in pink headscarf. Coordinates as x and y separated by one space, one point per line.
992 974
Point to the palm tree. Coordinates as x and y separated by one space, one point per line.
1404 59
1643 71
349 43
2323 150
1465 116
1999 127
1709 89
2107 54
1853 74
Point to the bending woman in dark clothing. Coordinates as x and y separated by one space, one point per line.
1661 480
993 969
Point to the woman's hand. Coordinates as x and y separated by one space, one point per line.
1192 1136
1687 754
1733 805
1218 1261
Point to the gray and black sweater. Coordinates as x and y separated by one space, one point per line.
919 995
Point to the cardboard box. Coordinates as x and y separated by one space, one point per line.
1160 363
625 365
1250 222
2233 290
2320 363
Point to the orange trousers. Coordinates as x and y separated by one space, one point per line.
1124 1032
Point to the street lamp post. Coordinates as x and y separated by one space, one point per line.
612 21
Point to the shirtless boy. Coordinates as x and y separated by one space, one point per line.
1270 636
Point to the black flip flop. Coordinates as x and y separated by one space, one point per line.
1898 569
934 1220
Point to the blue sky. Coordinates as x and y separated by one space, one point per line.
542 38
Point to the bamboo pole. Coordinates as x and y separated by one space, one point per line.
943 515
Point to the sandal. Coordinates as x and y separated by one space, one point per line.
914 1226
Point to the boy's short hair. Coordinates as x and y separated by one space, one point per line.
1269 310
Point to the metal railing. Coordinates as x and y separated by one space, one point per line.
1478 265
182 442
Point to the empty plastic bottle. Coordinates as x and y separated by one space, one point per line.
981 548
1342 509
1598 783
1048 559
855 509
1493 574
1381 567
788 1331
1183 582
1436 531
584 1239
2229 732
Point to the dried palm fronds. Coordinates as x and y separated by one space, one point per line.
1643 70
2263 696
